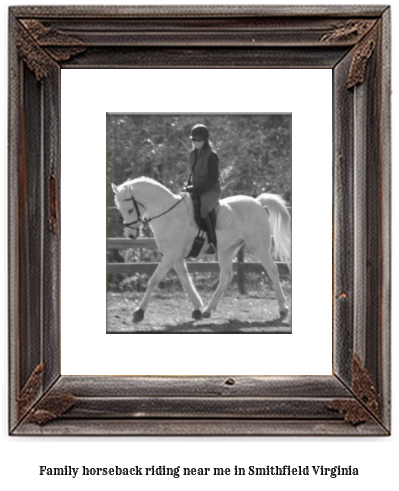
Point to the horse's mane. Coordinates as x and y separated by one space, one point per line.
134 183
150 180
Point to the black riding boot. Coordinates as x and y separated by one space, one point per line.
210 232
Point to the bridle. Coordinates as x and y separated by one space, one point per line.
141 220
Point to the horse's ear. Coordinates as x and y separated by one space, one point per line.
114 188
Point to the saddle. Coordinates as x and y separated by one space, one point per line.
202 228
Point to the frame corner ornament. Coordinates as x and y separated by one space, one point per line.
30 390
351 31
366 406
40 46
361 56
364 387
52 407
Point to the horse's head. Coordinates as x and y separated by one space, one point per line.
129 209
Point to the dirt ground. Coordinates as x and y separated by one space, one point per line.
171 313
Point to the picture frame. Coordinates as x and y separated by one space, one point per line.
352 41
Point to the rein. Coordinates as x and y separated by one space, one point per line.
146 220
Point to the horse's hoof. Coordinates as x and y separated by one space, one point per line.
196 314
206 314
138 316
284 313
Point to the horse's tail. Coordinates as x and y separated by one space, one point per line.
280 223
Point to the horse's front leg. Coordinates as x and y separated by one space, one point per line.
226 275
163 267
181 269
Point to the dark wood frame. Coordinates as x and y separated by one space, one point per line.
352 41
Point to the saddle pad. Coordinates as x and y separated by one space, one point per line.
224 217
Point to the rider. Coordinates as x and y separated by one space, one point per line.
204 180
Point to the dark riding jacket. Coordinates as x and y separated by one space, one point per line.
204 168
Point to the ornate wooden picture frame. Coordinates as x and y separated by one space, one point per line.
354 42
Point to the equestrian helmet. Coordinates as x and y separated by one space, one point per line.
199 131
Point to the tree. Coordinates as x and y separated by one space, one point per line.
254 150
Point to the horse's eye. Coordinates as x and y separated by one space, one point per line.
130 211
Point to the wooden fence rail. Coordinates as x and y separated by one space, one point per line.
197 267
122 243
240 267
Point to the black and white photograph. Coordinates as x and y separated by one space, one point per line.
199 223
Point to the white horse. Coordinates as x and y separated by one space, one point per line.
240 220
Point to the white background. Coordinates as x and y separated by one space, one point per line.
307 94
376 458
